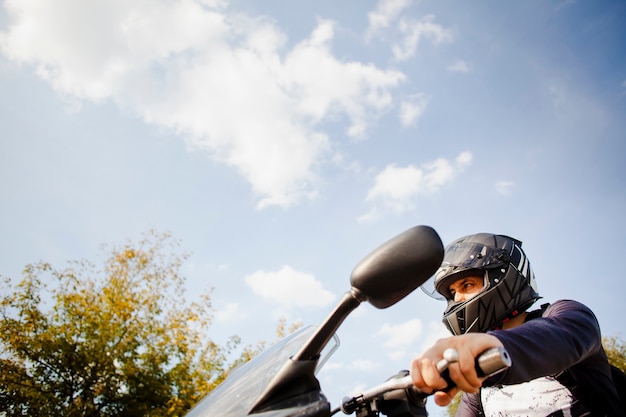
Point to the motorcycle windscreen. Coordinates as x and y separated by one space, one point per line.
236 395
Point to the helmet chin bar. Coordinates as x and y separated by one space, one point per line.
469 328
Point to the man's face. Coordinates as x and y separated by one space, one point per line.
465 288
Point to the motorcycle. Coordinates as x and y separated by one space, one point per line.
281 381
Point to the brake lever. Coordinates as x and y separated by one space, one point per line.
488 363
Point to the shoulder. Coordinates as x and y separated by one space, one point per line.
569 317
567 306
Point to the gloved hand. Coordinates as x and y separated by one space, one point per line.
403 404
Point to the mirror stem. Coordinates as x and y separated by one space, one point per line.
314 346
297 375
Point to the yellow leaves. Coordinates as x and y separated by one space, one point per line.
125 255
123 330
615 349
282 330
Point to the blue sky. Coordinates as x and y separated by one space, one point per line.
282 141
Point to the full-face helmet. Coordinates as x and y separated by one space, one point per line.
509 286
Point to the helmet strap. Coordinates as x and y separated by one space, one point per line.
513 314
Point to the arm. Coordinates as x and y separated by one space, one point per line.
567 334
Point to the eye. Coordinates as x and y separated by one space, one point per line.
468 285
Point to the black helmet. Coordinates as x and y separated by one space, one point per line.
509 286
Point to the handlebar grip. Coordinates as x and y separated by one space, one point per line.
488 363
493 361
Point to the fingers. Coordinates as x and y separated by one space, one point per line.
465 379
444 398
426 377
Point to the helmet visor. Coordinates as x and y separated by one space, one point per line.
472 255
429 289
460 258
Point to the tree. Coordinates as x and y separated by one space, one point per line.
120 341
615 351
452 407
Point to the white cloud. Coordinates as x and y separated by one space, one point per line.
363 365
410 31
464 159
386 12
358 389
323 86
436 330
397 183
230 312
459 66
504 187
400 336
223 81
396 188
91 50
331 366
412 109
288 287
414 31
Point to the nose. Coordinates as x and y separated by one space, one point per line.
459 296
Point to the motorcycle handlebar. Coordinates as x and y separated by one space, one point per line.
488 363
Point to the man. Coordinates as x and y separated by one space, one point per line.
559 366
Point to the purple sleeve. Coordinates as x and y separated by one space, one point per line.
469 406
567 334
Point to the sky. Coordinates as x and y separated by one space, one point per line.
281 142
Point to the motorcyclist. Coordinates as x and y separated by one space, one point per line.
559 365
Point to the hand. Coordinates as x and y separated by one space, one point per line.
426 377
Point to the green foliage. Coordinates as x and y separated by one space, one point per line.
616 351
120 341
454 405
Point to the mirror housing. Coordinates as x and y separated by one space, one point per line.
397 267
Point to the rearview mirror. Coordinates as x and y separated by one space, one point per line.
397 267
